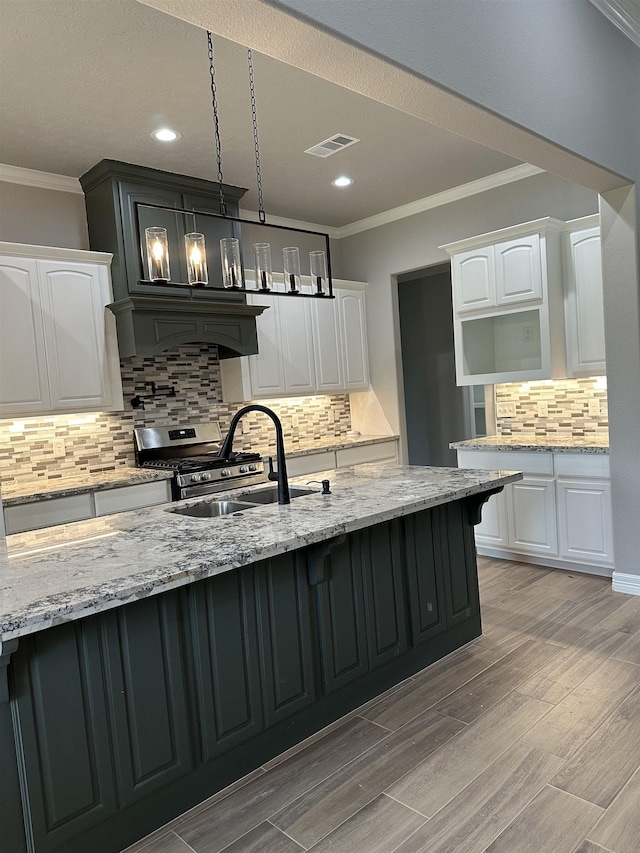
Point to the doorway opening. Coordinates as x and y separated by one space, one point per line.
437 410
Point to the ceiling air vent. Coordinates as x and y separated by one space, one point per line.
332 145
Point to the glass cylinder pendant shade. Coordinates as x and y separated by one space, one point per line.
262 266
230 258
196 259
291 261
319 275
157 254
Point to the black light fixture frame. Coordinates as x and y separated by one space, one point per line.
232 219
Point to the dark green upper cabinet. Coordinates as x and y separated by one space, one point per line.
116 194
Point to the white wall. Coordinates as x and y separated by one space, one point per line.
42 217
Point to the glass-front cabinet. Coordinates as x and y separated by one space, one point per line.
508 304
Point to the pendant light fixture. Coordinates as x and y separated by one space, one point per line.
292 281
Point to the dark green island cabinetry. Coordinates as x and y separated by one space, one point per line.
115 723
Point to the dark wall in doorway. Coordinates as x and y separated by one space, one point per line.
436 409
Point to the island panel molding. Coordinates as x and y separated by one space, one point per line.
176 687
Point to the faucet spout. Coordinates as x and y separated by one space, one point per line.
227 446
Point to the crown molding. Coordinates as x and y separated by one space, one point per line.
499 179
34 178
63 183
292 223
624 14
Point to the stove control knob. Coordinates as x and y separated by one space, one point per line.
206 476
252 467
243 469
225 472
194 478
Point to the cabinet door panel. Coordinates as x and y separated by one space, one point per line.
585 309
456 552
147 696
426 591
492 530
473 275
61 712
266 369
297 346
226 661
341 619
532 516
327 346
24 384
518 270
285 620
74 303
584 520
353 330
383 570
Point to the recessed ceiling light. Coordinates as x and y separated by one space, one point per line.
166 135
342 181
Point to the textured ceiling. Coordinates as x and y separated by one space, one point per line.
83 80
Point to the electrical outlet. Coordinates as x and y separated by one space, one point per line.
59 448
594 407
543 408
506 410
527 334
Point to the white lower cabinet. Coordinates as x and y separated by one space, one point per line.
58 350
305 347
327 460
532 516
68 508
559 514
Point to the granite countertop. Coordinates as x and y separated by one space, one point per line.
64 573
548 443
42 490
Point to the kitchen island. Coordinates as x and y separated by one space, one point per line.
150 658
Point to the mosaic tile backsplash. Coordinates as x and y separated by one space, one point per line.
96 442
573 407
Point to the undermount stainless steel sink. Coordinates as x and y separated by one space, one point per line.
269 495
216 508
212 509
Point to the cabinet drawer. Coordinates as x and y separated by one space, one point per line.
581 464
366 453
33 516
298 466
531 462
132 497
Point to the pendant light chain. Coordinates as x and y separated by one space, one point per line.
254 116
214 101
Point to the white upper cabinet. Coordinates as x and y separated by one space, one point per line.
24 385
518 270
327 341
305 347
584 299
353 331
474 279
508 305
58 350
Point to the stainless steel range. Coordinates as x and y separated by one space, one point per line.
192 452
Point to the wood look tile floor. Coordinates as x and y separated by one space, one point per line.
527 740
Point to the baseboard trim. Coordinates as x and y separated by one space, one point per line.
550 562
624 582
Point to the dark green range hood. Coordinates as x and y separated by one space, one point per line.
148 325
